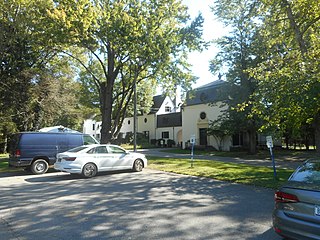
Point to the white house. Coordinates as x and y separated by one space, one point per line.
162 122
198 111
169 119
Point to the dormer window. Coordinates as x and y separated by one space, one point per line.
167 109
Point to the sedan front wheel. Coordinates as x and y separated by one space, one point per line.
89 170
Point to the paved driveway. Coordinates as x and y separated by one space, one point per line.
125 205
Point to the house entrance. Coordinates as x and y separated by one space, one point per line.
203 136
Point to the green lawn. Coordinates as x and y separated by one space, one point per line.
239 173
290 155
4 166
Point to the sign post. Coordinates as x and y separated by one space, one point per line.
270 146
192 141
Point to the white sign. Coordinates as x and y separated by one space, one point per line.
269 142
193 139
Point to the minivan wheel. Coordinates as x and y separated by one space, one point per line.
138 165
39 166
89 170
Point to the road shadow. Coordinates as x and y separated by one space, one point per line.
66 176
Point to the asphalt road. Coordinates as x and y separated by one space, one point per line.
125 205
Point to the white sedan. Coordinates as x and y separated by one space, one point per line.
88 160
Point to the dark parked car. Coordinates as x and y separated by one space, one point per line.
36 151
297 203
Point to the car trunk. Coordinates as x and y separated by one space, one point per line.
308 206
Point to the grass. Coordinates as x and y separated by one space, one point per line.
289 155
4 167
238 173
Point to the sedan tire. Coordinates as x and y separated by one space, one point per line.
89 170
138 165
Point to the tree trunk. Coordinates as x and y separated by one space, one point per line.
106 111
252 141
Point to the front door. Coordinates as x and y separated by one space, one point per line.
203 136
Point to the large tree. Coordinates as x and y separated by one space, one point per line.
132 40
239 51
289 79
36 85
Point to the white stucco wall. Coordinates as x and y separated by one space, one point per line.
174 133
92 127
127 125
147 123
192 123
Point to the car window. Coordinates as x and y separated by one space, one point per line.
77 149
114 149
98 150
87 139
309 173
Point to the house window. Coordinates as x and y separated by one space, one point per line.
128 122
203 115
165 134
145 120
237 139
93 127
146 134
167 109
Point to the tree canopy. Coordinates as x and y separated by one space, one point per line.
282 61
131 41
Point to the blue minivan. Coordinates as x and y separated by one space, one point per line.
36 151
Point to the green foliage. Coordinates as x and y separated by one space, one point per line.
272 53
130 41
289 74
239 51
34 84
220 129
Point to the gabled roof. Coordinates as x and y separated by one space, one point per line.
157 102
209 93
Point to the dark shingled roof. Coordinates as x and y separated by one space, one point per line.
169 120
208 93
157 101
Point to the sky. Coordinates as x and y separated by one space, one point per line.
212 29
